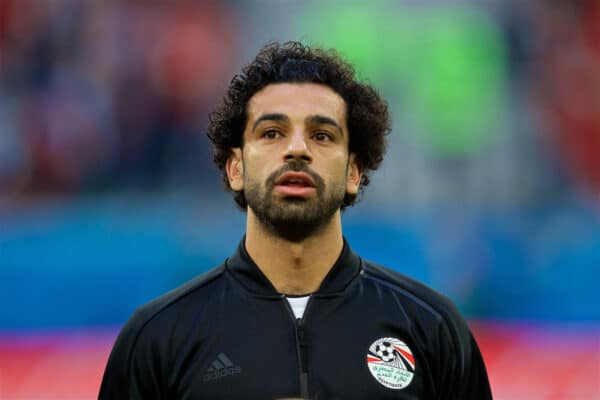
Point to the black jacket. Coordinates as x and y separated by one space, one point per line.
367 333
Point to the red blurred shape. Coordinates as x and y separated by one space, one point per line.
538 362
53 366
567 84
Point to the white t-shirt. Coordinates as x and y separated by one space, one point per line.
298 304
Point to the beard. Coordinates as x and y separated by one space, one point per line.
289 217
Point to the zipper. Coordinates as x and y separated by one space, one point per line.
300 356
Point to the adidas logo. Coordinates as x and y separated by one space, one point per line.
220 368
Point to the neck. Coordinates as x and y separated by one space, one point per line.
294 267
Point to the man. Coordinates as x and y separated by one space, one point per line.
294 312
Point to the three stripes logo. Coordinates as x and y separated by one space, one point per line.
220 368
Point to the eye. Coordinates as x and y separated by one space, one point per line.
322 136
271 134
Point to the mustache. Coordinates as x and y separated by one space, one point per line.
295 166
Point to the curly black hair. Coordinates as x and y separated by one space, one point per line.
367 112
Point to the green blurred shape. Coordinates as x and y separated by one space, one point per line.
353 29
458 84
447 64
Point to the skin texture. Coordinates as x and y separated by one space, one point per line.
294 239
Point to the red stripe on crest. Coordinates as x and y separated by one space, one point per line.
373 359
406 355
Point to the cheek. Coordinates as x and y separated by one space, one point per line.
255 169
336 170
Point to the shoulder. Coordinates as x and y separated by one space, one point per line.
422 303
165 310
412 290
168 303
145 330
181 293
464 375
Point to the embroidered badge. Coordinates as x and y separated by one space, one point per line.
391 362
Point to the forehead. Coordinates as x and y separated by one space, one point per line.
297 100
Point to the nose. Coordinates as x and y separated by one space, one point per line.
298 149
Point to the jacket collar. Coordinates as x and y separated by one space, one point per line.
244 270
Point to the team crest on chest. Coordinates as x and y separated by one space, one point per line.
391 362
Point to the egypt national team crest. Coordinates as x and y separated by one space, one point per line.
391 362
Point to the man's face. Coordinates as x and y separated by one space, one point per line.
294 167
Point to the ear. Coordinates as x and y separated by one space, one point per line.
235 169
354 175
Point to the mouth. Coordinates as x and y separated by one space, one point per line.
297 184
295 179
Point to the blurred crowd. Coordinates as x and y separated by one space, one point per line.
104 95
565 83
107 95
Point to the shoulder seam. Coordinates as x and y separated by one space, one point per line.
395 287
446 308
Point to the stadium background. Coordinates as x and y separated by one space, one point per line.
489 193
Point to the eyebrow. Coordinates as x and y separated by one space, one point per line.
270 117
310 120
323 120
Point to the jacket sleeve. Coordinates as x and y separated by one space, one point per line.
463 372
131 371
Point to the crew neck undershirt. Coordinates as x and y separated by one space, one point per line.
298 304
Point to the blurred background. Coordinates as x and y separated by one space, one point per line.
490 191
